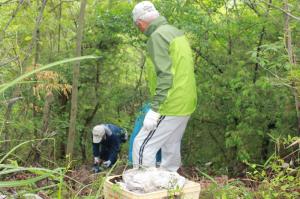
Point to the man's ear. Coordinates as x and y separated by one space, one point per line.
138 22
141 25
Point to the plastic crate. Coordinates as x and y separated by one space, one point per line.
191 190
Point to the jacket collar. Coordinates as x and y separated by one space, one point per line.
155 24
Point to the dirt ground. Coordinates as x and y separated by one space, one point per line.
81 180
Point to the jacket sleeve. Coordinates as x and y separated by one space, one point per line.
114 150
114 129
96 149
158 49
119 130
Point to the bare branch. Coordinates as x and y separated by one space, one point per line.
11 19
8 61
7 2
35 32
11 101
251 5
281 9
198 52
280 80
142 65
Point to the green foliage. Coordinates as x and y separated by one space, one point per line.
246 84
232 190
280 175
175 192
4 87
36 174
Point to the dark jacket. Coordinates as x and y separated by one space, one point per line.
109 147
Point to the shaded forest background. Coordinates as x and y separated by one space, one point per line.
246 69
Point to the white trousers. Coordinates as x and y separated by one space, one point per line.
167 137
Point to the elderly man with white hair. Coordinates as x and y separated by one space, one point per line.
171 81
107 139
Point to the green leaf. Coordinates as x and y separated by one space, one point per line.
290 178
28 38
284 187
13 149
12 83
22 182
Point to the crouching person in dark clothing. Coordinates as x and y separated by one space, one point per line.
107 139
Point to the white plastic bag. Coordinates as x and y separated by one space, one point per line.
151 179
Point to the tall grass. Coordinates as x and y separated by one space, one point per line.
57 175
5 86
8 168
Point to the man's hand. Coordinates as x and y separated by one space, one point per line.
96 168
107 163
151 120
97 160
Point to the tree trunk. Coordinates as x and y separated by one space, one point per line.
36 45
46 117
72 127
110 4
229 36
5 132
63 101
84 133
36 32
46 112
288 36
258 51
261 38
59 25
292 57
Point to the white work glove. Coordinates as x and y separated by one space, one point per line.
151 120
96 160
107 163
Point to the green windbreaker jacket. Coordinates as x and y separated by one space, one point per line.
170 70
